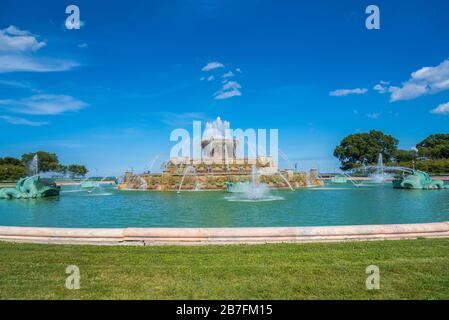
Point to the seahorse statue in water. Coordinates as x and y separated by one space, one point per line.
30 188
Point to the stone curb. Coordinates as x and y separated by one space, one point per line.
194 236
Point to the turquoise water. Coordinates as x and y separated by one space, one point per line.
330 205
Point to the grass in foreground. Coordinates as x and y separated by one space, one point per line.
410 269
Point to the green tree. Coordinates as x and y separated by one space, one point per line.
77 170
13 169
9 172
11 161
435 146
63 168
403 155
360 149
47 161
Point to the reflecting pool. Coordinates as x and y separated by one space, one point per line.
329 205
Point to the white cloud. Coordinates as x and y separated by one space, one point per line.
231 85
43 104
22 121
228 90
14 40
407 92
16 84
13 30
82 45
17 49
181 119
212 66
21 63
427 80
20 85
381 87
374 115
345 92
221 95
228 74
441 109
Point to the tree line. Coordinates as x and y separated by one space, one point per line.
362 149
12 169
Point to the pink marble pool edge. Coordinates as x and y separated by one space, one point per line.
204 236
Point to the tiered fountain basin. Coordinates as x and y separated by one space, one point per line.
217 179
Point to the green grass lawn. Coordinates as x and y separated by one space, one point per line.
410 269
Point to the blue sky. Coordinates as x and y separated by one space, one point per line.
109 94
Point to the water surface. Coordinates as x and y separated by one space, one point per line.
330 205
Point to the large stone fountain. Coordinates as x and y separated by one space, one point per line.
219 167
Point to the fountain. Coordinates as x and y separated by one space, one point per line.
135 182
286 181
407 179
222 157
98 184
278 172
344 178
32 186
418 180
190 169
89 184
143 185
153 161
353 180
380 176
251 191
33 167
139 183
308 181
340 179
81 187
